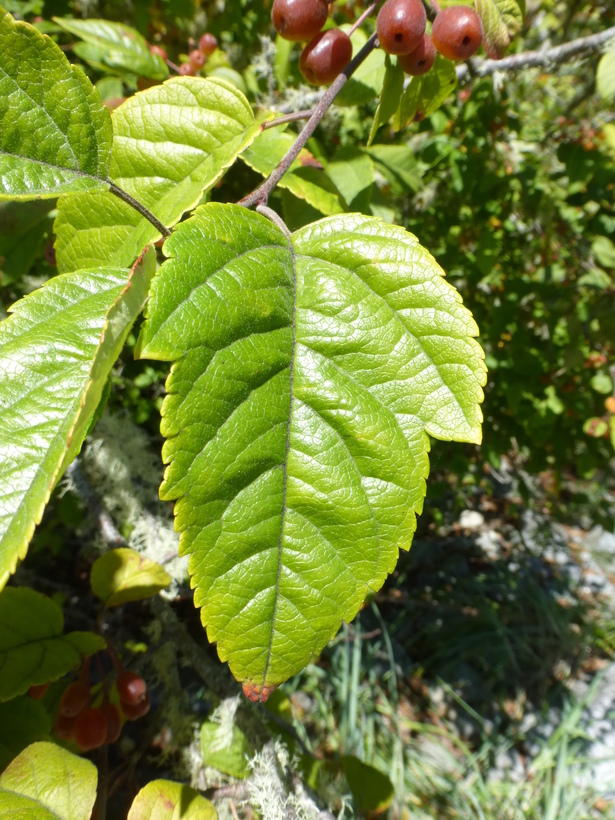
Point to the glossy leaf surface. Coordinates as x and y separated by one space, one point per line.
118 47
123 575
425 94
56 352
46 782
55 133
171 143
33 648
310 373
165 800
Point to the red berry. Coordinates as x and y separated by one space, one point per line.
114 721
299 19
37 692
138 710
186 70
401 25
74 700
325 57
91 730
457 32
159 52
420 60
197 59
130 687
208 44
64 727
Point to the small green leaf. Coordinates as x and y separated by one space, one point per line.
123 575
425 94
46 782
371 789
398 164
229 758
203 125
310 374
22 722
603 249
281 65
502 21
352 172
308 183
55 133
56 352
602 383
392 89
121 48
366 83
33 649
605 77
165 800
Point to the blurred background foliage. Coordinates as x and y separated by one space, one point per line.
510 184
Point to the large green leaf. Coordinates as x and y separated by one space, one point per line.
56 352
171 143
502 20
33 648
303 179
425 94
55 133
118 47
308 374
46 782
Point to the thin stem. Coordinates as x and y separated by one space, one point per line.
536 59
138 206
367 13
432 9
262 193
298 115
173 66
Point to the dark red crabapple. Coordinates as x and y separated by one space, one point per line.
420 60
136 711
457 32
197 59
326 56
186 70
90 730
75 698
37 692
401 25
114 721
158 51
299 19
131 687
208 44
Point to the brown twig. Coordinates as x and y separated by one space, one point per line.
536 59
298 115
367 13
432 9
261 194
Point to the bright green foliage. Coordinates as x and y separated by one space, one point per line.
22 721
425 94
310 374
303 180
46 782
123 575
56 352
165 800
392 89
55 134
171 143
229 758
117 47
502 20
366 83
605 77
33 649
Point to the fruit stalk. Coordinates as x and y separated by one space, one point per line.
261 194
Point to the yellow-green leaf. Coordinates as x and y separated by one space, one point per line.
123 575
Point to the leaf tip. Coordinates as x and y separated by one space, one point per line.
257 692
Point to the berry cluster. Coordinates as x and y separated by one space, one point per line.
327 53
92 727
197 57
456 33
401 26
